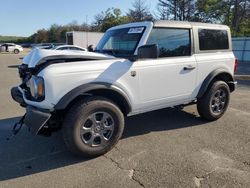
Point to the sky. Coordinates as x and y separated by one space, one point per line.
25 17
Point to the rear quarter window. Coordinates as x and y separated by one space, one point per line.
210 39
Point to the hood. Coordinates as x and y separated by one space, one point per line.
39 56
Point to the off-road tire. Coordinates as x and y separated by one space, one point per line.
77 116
205 105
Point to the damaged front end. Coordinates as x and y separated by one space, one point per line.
36 119
31 92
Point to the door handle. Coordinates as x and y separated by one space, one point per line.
189 67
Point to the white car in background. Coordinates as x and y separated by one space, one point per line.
11 47
70 47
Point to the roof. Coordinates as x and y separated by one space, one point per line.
186 24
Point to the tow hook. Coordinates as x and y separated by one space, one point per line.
17 127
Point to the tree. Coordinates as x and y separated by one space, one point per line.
41 36
210 11
176 9
234 13
163 12
140 12
111 17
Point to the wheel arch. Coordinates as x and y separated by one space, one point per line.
106 90
220 74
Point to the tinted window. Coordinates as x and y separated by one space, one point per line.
63 48
213 39
73 48
171 42
76 49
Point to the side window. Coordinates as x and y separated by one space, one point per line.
63 48
74 48
210 39
171 42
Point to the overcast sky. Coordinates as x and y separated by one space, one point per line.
24 17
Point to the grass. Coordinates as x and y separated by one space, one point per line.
10 38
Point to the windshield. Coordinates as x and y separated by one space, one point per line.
121 42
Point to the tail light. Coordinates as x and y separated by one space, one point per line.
236 62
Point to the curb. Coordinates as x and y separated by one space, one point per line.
242 77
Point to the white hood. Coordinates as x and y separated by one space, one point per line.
39 56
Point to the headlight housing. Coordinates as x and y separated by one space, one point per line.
36 87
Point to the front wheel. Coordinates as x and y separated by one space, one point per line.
92 127
215 101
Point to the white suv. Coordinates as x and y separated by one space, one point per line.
136 68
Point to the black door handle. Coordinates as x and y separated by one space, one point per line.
189 67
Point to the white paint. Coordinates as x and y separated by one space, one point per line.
159 83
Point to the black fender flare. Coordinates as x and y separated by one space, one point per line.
211 77
85 88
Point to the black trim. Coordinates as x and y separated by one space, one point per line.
209 79
36 118
84 89
17 96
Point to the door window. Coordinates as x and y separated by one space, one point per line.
171 42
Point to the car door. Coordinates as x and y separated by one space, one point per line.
170 79
11 47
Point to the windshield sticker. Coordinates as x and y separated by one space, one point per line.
135 30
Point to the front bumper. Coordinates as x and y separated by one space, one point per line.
35 118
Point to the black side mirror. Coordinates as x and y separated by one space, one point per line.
91 48
150 51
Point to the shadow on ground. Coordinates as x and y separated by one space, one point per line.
26 154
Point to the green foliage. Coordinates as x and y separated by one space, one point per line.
57 33
109 18
11 39
234 13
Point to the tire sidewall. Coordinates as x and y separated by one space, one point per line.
215 87
80 117
16 51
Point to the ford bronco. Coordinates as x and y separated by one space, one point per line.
135 68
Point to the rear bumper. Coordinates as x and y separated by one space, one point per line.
36 118
232 85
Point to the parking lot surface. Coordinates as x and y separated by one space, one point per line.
165 148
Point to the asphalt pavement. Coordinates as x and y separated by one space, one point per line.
165 148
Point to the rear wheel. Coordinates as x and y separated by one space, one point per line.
92 127
215 101
16 51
